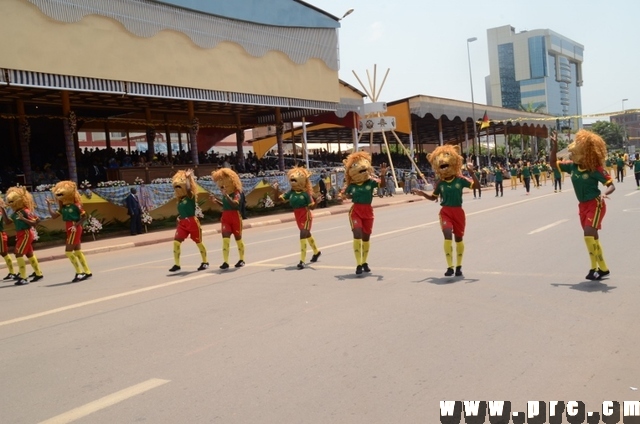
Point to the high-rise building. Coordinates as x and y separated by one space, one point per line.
538 70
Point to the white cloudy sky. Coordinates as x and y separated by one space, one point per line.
423 43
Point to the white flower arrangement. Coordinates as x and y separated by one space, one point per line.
92 225
199 213
44 187
117 183
85 185
138 181
146 217
246 175
266 202
36 236
206 178
161 181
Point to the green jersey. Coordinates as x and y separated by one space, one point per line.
187 207
71 212
298 199
526 172
362 193
536 170
499 176
513 172
585 183
450 191
19 223
227 205
636 166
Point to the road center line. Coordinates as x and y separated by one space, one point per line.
546 227
109 400
632 193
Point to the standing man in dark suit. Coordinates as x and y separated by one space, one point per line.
323 190
134 210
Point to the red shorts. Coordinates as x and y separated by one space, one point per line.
231 223
189 227
361 216
74 233
303 218
24 240
453 217
592 213
4 247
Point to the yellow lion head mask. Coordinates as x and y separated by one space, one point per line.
184 184
66 193
227 180
357 167
588 150
19 198
299 179
446 161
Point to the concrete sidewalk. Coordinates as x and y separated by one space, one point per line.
166 235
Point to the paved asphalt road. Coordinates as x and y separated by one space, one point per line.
272 344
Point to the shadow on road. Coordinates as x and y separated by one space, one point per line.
587 286
358 277
448 280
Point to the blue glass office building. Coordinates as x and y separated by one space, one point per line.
536 69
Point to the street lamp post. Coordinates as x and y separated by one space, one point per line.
623 118
473 107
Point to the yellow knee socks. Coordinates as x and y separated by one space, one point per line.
312 243
448 252
303 250
9 262
74 261
82 260
226 241
591 248
600 257
357 250
459 252
35 265
240 244
176 252
203 252
365 251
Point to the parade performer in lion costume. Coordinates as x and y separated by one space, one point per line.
359 185
22 204
70 208
231 220
301 199
588 153
447 164
4 247
185 190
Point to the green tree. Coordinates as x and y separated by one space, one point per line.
611 133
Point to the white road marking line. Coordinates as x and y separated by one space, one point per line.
632 193
546 227
204 275
112 399
102 299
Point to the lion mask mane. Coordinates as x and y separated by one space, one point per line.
299 179
66 193
446 161
588 150
357 168
19 198
227 180
184 184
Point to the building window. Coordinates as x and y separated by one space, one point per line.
510 88
537 57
